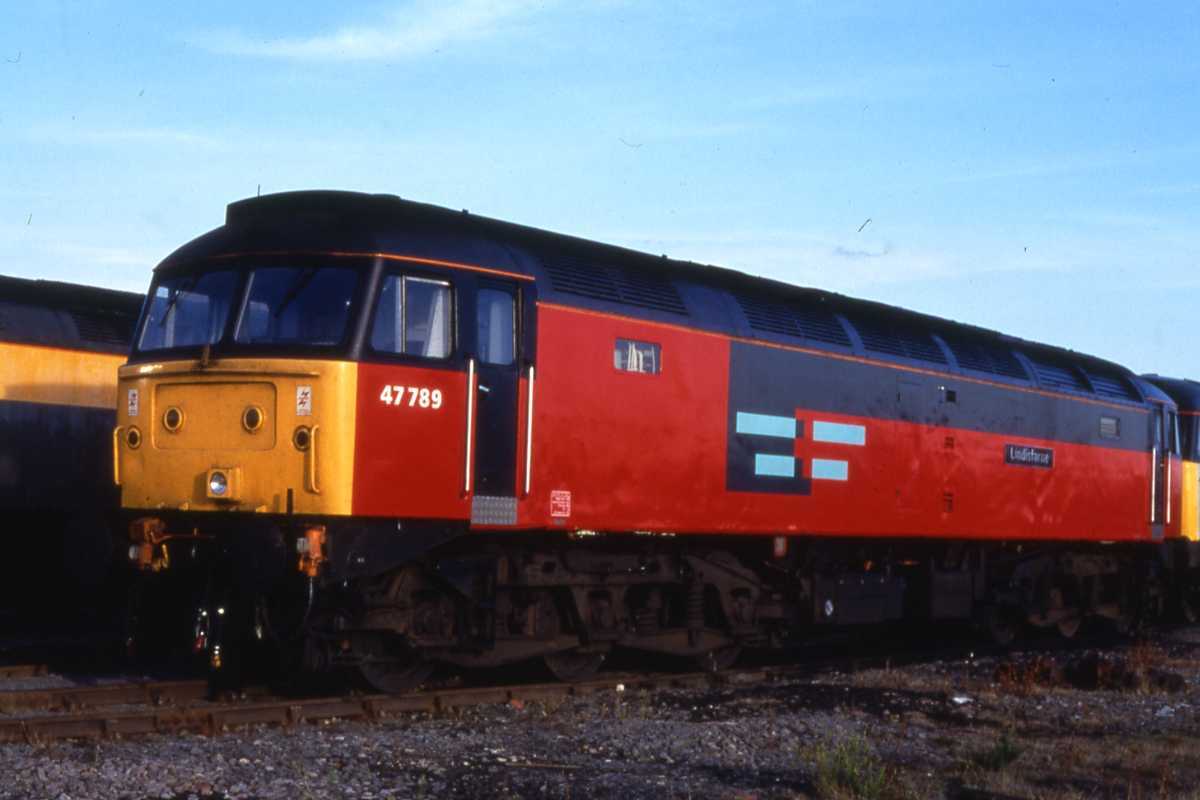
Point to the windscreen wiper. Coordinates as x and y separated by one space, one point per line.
186 286
302 280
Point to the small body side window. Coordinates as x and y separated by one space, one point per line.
412 317
634 356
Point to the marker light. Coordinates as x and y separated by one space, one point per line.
173 419
302 438
252 418
218 484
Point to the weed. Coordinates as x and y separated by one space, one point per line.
850 768
999 755
1144 656
1023 679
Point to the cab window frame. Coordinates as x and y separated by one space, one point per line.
246 288
375 299
197 271
242 266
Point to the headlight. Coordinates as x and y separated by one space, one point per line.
133 438
223 483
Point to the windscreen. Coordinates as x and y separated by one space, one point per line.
188 310
297 305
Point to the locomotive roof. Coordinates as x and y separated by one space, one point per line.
577 271
67 315
1183 391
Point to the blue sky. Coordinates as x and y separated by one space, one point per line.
1033 168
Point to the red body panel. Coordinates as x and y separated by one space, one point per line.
409 460
636 452
647 452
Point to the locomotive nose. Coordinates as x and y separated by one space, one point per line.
216 416
255 435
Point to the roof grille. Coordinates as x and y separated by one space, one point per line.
815 323
649 291
898 338
1058 375
1110 384
578 276
982 355
573 276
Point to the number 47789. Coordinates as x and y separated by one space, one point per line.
416 397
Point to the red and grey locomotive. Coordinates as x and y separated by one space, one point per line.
394 434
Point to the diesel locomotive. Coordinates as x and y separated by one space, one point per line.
60 347
383 435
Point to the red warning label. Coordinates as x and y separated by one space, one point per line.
560 503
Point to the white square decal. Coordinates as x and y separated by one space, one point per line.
303 401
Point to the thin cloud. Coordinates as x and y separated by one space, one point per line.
857 254
895 83
414 30
104 256
142 136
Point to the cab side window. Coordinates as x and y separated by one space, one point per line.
495 326
412 317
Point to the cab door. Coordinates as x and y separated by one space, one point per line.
497 388
1164 480
1159 470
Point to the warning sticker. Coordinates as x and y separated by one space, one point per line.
560 503
133 402
303 401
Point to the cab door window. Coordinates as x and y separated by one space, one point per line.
495 326
412 317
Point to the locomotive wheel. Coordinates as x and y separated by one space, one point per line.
1189 605
1067 628
1002 626
718 658
391 666
572 666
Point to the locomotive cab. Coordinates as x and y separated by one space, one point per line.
373 402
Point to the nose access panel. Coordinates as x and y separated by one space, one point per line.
212 416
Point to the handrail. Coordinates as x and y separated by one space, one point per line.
312 461
1153 485
470 424
116 454
529 433
1167 495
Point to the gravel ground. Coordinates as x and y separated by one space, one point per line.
1118 724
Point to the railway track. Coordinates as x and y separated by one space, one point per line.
182 706
73 698
172 707
8 671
